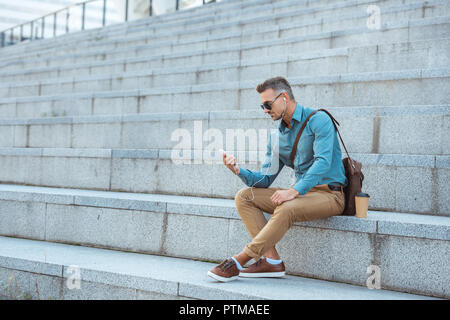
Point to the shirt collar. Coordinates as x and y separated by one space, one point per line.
297 115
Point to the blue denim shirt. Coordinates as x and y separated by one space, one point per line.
318 159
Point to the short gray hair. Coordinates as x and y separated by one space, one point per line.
278 84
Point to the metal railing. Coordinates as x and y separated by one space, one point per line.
77 18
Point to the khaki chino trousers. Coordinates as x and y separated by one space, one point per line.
319 203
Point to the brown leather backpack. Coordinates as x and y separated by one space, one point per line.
352 168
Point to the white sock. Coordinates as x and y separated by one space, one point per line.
237 263
272 261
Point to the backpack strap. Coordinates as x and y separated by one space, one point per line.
294 147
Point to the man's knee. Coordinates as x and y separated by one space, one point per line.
243 193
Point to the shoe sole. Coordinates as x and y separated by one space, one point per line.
221 279
262 274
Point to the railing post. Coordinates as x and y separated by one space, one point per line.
43 26
177 5
54 24
31 30
82 16
150 9
11 38
21 32
126 10
104 12
67 21
3 39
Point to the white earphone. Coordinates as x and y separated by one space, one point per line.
267 171
252 186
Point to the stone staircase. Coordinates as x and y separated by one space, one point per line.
87 139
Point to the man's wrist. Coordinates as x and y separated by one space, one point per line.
295 191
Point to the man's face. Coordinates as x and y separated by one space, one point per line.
277 106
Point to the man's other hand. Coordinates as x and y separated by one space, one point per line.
281 196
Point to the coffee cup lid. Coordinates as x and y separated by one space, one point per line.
362 194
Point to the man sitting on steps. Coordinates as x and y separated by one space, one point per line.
318 192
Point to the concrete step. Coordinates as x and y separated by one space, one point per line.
351 15
80 178
52 268
414 130
391 31
205 13
410 250
422 54
229 21
388 57
392 180
400 88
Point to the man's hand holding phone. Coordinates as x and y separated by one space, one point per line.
230 162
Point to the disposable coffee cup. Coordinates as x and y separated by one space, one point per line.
362 204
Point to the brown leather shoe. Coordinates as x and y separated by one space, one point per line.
224 272
263 269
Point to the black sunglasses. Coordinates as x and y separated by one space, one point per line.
268 105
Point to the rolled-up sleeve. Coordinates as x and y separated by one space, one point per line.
323 130
270 168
